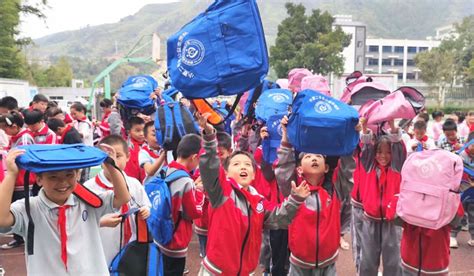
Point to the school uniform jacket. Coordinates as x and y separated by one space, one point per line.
23 138
133 168
45 136
314 234
237 217
186 205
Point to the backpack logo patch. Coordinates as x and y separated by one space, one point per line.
193 52
426 168
322 107
278 97
277 125
157 199
259 207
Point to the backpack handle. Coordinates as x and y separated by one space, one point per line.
466 145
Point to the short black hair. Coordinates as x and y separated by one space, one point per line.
79 107
450 124
133 121
113 140
32 116
224 140
54 124
424 116
12 118
190 144
40 98
53 111
436 114
420 125
52 104
9 103
147 126
106 103
240 152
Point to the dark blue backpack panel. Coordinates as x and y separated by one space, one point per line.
272 143
222 51
273 102
134 96
254 94
322 124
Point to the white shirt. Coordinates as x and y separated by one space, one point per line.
430 144
111 236
84 249
86 130
144 157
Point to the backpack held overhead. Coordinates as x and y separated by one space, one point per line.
429 192
222 51
160 223
273 102
271 144
134 96
322 124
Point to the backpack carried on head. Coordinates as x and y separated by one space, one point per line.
134 96
222 51
321 124
429 192
46 158
273 102
160 223
316 83
138 257
173 121
272 143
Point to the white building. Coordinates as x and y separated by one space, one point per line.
396 56
354 54
19 89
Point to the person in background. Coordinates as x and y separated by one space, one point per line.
420 139
136 138
84 127
451 140
467 126
104 126
437 127
39 102
67 134
34 120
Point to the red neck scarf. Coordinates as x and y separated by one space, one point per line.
423 139
62 232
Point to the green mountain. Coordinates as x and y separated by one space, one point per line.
413 19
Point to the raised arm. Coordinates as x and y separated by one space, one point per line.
286 168
7 187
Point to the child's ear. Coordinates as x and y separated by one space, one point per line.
39 179
326 169
299 170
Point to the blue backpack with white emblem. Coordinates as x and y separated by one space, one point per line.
273 102
322 124
134 95
222 51
160 223
272 143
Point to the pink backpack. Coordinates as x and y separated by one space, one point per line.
351 81
283 83
429 192
295 76
317 83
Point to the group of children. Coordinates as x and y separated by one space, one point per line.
231 198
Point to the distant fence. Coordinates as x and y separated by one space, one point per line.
456 96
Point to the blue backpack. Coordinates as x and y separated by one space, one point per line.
322 124
134 95
273 102
160 223
272 143
138 257
467 196
220 52
173 121
254 94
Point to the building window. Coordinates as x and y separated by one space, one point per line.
386 62
400 76
387 49
398 49
410 62
373 61
410 76
56 98
359 44
412 50
398 62
422 49
373 48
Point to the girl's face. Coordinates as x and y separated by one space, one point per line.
383 156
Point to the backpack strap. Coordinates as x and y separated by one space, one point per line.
178 119
465 146
143 235
89 197
169 124
159 135
30 236
178 174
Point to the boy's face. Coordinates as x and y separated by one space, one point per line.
151 138
35 127
383 156
137 132
122 156
419 133
223 153
313 164
11 130
471 150
241 170
58 185
41 106
451 135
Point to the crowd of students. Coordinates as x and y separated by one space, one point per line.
289 216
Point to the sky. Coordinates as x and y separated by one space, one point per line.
64 15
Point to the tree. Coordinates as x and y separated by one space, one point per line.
12 64
308 41
438 68
56 75
464 44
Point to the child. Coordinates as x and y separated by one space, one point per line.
66 134
151 158
313 252
379 172
110 224
106 106
437 127
20 136
468 158
82 123
451 141
238 213
39 102
38 128
420 138
136 138
186 205
67 239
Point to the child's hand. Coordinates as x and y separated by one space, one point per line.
284 132
302 190
11 157
198 184
264 133
363 124
110 151
393 128
144 212
202 121
110 220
